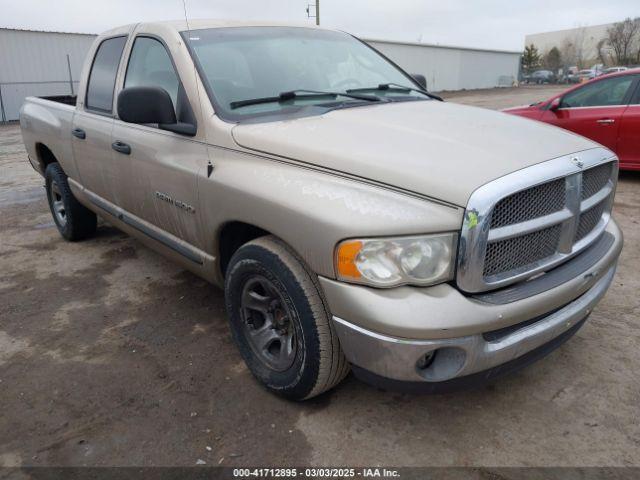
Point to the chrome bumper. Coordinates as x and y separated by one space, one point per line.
398 358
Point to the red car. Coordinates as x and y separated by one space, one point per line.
606 110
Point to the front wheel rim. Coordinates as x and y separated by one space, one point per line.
268 324
57 204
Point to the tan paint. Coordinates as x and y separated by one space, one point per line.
96 166
311 211
48 123
171 168
438 149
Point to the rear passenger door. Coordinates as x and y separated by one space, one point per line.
164 166
93 122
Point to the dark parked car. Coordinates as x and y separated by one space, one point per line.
541 76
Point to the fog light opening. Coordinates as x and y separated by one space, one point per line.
445 363
426 360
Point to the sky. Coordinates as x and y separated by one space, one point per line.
494 24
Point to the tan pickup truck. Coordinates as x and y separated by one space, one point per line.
354 219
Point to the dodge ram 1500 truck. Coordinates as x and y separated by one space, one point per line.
354 220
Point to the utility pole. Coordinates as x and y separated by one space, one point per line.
70 76
317 15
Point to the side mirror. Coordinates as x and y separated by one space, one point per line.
555 104
145 105
151 105
421 79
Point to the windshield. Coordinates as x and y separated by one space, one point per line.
245 63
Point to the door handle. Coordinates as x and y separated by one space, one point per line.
121 147
79 133
606 121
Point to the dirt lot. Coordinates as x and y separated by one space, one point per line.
111 355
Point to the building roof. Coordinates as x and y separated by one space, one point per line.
437 45
570 29
46 31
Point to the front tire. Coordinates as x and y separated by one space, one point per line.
280 321
74 220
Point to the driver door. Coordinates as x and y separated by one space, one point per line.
594 110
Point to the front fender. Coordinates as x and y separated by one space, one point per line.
309 209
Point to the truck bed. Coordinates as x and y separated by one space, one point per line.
47 122
66 99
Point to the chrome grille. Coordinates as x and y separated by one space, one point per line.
533 219
589 220
594 180
518 252
531 203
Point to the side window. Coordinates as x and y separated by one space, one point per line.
600 93
150 66
102 78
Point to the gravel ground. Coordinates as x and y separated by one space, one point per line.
111 355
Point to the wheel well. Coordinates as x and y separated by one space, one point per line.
232 236
45 156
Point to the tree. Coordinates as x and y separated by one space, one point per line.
622 37
553 59
602 51
568 53
578 42
530 58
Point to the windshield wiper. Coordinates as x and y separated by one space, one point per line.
396 87
293 94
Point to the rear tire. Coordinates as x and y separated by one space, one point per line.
280 321
74 220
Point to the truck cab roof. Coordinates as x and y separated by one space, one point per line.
199 24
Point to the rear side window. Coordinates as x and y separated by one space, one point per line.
102 78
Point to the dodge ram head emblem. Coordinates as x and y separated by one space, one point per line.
578 162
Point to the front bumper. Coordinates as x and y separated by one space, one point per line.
397 358
513 327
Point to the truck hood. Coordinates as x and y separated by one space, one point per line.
437 149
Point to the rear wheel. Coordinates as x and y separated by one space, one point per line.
74 220
280 321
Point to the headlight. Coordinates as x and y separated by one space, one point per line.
389 262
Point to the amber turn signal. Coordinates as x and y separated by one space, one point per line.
346 259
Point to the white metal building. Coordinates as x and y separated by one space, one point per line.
584 40
453 68
38 63
49 63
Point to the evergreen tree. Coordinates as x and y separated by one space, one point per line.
530 59
553 60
